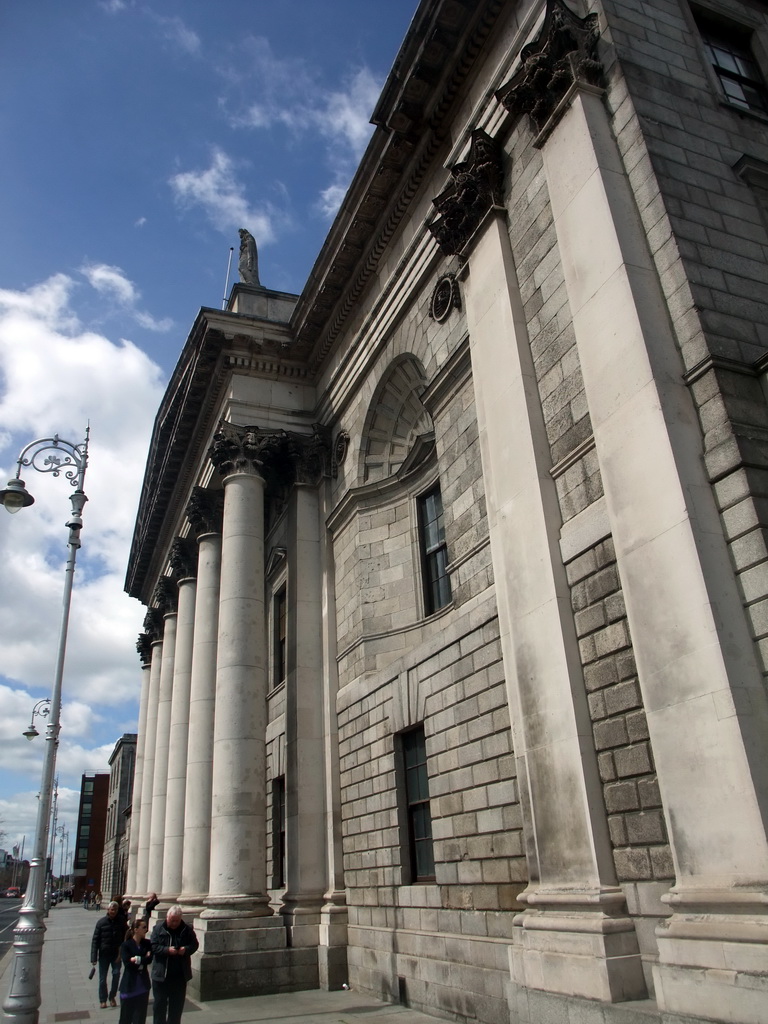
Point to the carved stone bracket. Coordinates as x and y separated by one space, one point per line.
564 52
153 625
166 595
205 511
475 189
144 648
183 559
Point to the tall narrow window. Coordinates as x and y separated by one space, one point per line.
418 817
434 552
278 832
728 48
279 612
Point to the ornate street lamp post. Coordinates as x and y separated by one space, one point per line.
46 455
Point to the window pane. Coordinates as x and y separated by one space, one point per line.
437 587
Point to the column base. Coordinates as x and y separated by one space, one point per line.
301 916
236 905
248 957
332 953
712 955
577 944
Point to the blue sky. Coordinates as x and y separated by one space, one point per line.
136 139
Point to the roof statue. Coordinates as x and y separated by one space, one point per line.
248 264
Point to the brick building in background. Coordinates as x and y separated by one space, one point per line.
455 564
91 830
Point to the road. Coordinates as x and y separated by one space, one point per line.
9 915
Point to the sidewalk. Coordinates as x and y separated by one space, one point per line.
69 996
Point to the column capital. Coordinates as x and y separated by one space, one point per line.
144 648
564 52
475 189
183 559
281 457
153 625
205 511
166 595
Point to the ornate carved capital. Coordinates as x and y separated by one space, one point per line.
564 52
282 457
183 559
205 510
144 648
153 625
476 187
239 448
166 595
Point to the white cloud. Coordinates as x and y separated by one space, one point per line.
222 196
292 96
112 283
55 376
176 32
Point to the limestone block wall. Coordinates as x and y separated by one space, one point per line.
443 944
688 153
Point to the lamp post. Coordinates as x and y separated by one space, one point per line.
46 455
43 709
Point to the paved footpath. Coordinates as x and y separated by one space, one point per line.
69 996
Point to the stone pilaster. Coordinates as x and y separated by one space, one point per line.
575 936
706 707
305 785
144 648
166 596
183 562
204 512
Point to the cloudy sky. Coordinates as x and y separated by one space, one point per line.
137 138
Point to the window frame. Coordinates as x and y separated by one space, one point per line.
279 641
742 40
411 755
433 554
279 863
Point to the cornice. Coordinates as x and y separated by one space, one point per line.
412 122
220 343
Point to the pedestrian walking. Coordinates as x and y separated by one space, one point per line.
136 955
107 939
173 943
150 905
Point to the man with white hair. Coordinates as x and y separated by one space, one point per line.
173 943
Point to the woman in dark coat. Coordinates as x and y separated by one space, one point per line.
136 954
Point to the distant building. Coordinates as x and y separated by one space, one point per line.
114 865
91 826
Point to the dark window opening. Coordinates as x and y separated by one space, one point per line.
278 832
434 552
280 617
728 48
418 816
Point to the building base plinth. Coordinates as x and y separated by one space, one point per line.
588 951
713 956
248 957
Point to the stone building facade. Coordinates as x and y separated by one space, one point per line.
455 564
122 766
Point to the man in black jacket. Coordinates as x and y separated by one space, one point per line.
173 943
107 938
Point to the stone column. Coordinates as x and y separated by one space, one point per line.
307 877
153 625
166 595
332 953
183 563
144 647
204 513
705 702
575 937
238 901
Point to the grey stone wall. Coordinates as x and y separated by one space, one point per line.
625 759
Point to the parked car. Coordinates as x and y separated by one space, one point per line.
13 892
